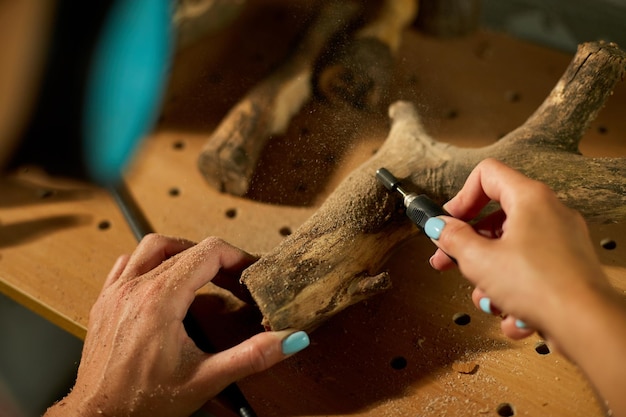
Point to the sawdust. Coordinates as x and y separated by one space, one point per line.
465 367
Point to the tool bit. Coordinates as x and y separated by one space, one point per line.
419 208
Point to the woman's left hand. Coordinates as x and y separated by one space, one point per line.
138 360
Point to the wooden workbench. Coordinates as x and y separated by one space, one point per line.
405 352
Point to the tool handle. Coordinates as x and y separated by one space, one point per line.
421 208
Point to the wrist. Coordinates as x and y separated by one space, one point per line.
582 318
70 406
595 340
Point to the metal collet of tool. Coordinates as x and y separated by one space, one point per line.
419 207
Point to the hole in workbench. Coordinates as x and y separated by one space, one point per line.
461 319
398 363
231 213
285 231
513 96
301 188
178 145
608 244
45 193
330 159
452 114
602 130
104 225
505 410
174 192
541 348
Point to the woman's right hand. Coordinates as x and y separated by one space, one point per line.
534 260
527 259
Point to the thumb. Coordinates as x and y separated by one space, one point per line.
253 355
457 239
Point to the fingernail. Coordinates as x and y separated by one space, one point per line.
433 227
485 305
520 324
295 342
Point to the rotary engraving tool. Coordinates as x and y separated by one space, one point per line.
419 208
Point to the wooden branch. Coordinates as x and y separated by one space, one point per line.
360 72
194 19
228 159
448 18
333 260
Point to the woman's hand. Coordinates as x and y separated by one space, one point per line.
138 359
524 259
533 260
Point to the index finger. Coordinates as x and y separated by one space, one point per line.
489 180
198 265
153 250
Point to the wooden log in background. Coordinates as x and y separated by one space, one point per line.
231 153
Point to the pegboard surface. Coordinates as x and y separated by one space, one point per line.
420 349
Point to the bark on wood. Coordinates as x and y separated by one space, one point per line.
230 156
333 260
360 72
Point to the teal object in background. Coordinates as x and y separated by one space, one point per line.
127 79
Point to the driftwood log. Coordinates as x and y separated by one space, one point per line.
448 18
230 155
334 259
193 19
359 73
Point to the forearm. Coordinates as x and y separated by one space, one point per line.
591 331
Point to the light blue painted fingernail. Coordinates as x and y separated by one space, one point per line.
520 324
485 305
295 342
433 227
